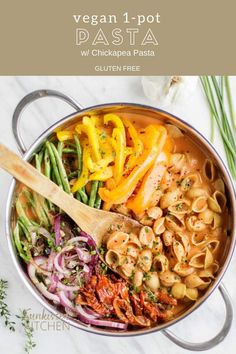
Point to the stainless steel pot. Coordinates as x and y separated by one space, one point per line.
195 136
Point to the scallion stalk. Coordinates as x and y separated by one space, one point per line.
215 94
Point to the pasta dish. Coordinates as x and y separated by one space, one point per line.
144 169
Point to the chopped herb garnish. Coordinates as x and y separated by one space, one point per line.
179 206
104 268
103 135
152 297
102 250
132 276
134 289
147 276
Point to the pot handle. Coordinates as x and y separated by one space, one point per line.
31 97
215 340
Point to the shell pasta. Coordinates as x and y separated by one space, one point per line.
184 226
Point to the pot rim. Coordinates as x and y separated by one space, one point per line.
45 302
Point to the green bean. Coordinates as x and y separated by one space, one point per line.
79 155
37 162
41 153
69 151
60 147
77 195
83 195
39 207
47 164
98 200
47 172
61 169
93 193
25 228
73 146
73 174
55 175
21 212
17 241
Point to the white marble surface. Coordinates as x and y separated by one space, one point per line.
51 337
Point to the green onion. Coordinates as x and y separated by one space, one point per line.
214 90
231 108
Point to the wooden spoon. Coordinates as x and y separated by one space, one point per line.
93 221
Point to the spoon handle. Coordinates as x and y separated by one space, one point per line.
32 178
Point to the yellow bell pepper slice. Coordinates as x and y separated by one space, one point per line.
117 122
103 175
150 184
100 165
65 135
119 145
128 151
137 143
84 177
97 121
156 138
88 128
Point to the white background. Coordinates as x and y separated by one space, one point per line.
88 91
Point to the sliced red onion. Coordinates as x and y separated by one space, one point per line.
57 229
77 239
83 254
45 233
90 240
70 313
72 295
54 283
40 264
91 243
64 287
51 260
89 319
41 261
33 236
86 268
91 312
65 301
71 257
58 259
41 287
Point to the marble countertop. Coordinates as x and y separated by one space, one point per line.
51 335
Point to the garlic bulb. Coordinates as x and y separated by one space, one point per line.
166 90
